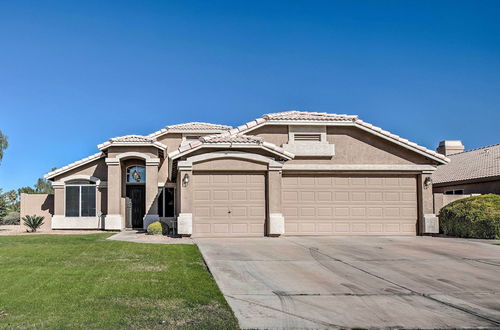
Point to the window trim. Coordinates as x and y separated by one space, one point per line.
79 185
162 191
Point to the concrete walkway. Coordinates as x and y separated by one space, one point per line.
141 237
366 282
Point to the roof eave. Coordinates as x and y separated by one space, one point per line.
71 166
108 144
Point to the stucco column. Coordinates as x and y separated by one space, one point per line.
276 223
151 191
185 218
114 219
429 223
58 198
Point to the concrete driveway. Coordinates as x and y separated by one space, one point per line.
367 282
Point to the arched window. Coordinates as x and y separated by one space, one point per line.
80 198
136 174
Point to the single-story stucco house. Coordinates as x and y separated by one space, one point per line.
471 172
474 171
287 173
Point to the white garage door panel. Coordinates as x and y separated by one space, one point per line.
349 205
216 194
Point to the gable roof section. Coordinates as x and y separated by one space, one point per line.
469 165
308 116
191 127
131 140
323 118
73 165
229 140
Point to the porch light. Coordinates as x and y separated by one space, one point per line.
427 182
185 179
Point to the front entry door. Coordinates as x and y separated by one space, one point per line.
137 195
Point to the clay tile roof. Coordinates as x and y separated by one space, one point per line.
199 126
468 165
191 127
131 138
306 115
226 138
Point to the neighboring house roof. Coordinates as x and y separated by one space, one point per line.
131 140
194 127
298 117
73 165
470 165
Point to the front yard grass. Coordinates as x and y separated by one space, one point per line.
84 281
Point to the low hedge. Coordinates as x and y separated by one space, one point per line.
157 228
472 217
12 218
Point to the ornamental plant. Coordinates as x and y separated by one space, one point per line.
33 222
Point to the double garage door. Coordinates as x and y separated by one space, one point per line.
234 204
349 205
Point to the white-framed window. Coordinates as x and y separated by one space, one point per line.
454 192
166 202
80 199
136 174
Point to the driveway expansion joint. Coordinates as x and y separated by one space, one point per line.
313 250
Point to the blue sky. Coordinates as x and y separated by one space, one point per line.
75 73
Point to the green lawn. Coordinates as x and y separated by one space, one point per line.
84 281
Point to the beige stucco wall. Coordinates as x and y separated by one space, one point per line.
37 204
114 151
172 141
229 164
352 146
96 169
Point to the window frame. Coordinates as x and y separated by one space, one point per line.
162 193
79 185
127 175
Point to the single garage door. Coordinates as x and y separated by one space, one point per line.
349 205
228 204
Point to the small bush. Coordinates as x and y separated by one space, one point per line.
12 218
472 217
33 222
157 228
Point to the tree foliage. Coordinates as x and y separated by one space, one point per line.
4 205
475 217
10 203
4 143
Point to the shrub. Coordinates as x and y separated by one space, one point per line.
474 217
33 222
12 218
157 228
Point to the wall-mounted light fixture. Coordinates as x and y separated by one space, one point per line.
185 180
427 182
